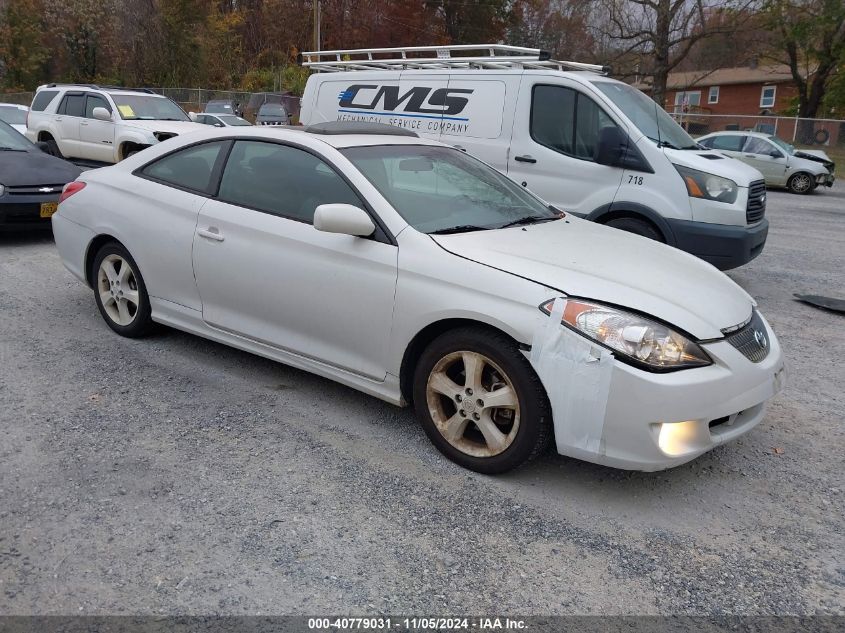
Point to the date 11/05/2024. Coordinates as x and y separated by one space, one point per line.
415 624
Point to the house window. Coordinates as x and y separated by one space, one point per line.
685 100
713 95
767 97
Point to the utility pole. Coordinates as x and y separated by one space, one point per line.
316 24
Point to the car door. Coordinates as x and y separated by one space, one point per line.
767 158
70 112
555 136
264 272
96 138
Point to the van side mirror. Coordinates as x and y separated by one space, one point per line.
346 219
615 150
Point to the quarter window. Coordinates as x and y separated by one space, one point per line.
567 121
95 101
189 168
767 97
713 95
281 180
43 99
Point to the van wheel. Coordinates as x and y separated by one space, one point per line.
637 226
480 402
801 183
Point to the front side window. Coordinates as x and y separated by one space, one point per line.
767 97
190 168
437 189
43 99
728 142
757 145
132 107
567 121
281 180
95 101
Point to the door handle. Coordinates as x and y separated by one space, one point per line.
212 233
83 123
525 159
750 155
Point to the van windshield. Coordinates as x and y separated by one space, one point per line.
442 190
649 118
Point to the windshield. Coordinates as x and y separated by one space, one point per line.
230 119
646 115
218 106
148 108
440 189
272 108
11 139
12 116
789 149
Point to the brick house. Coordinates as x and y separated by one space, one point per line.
760 90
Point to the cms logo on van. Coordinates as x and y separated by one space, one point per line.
421 99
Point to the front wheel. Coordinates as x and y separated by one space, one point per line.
120 292
801 183
638 227
480 401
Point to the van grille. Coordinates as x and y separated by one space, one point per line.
751 339
756 208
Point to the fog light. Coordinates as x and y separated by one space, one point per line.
677 438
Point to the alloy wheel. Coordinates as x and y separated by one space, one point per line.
118 289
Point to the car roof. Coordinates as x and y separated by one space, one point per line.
742 132
13 105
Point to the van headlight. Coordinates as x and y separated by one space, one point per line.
636 339
708 186
2 190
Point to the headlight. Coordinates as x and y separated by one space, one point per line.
2 190
636 339
708 186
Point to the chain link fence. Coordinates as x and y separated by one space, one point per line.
818 133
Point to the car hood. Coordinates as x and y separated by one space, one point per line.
20 127
33 168
592 261
725 166
813 155
172 127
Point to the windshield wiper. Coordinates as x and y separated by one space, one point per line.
529 219
667 144
463 228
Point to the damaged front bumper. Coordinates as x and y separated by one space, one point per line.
654 421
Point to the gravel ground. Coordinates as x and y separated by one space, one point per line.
173 475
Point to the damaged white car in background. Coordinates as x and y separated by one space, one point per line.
413 272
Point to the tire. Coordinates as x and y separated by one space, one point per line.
121 295
800 183
638 227
513 433
53 148
821 136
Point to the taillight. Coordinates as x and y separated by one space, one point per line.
70 189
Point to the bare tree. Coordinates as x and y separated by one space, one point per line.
661 33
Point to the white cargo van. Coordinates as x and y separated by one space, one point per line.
586 143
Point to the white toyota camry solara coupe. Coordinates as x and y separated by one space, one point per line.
415 273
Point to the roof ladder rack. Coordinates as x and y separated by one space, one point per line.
478 56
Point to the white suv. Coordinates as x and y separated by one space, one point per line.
101 124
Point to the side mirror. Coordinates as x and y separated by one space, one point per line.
43 147
101 114
612 146
346 219
775 154
192 116
218 125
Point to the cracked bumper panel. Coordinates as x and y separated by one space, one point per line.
657 421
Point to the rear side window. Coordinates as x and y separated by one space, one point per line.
281 180
73 105
567 121
190 168
728 142
42 100
95 101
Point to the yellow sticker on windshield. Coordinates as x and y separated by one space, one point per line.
126 110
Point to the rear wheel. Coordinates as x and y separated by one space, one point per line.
637 226
480 401
801 183
120 292
53 147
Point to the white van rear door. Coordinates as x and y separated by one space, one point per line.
478 125
554 141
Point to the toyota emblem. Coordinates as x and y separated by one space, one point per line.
760 337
